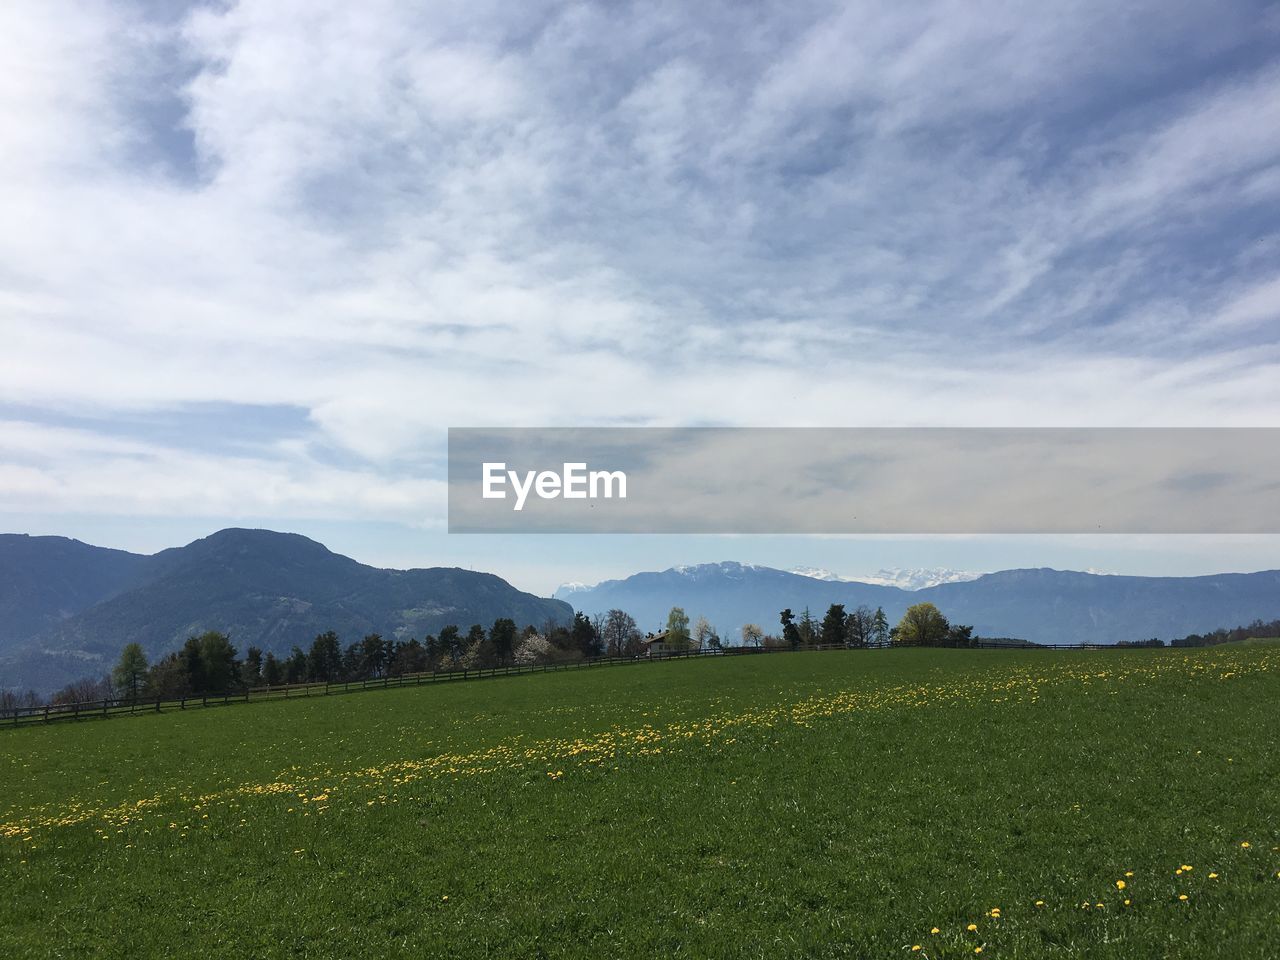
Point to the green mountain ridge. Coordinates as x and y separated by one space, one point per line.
44 580
265 589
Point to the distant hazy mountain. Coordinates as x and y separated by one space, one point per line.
44 580
908 579
265 589
1049 606
729 594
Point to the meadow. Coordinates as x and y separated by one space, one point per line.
869 804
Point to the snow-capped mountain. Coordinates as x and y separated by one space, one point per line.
918 578
904 579
725 568
817 573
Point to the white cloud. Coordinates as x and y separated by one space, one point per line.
1256 305
57 470
400 221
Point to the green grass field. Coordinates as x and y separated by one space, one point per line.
850 804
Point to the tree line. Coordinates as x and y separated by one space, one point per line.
922 625
1259 628
210 664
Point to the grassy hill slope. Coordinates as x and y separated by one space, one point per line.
799 805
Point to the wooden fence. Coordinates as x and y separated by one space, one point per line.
109 707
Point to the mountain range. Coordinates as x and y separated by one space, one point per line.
1042 605
67 608
915 578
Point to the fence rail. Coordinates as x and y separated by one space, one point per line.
115 706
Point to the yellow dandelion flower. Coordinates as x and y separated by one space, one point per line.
1213 876
935 931
1120 884
1244 845
915 948
1182 896
972 928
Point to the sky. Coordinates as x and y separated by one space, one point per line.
257 257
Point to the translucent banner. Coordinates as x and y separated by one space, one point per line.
864 480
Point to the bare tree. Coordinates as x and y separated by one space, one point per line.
620 634
860 627
83 691
704 635
752 635
15 702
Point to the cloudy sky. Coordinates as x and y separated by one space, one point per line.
258 256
